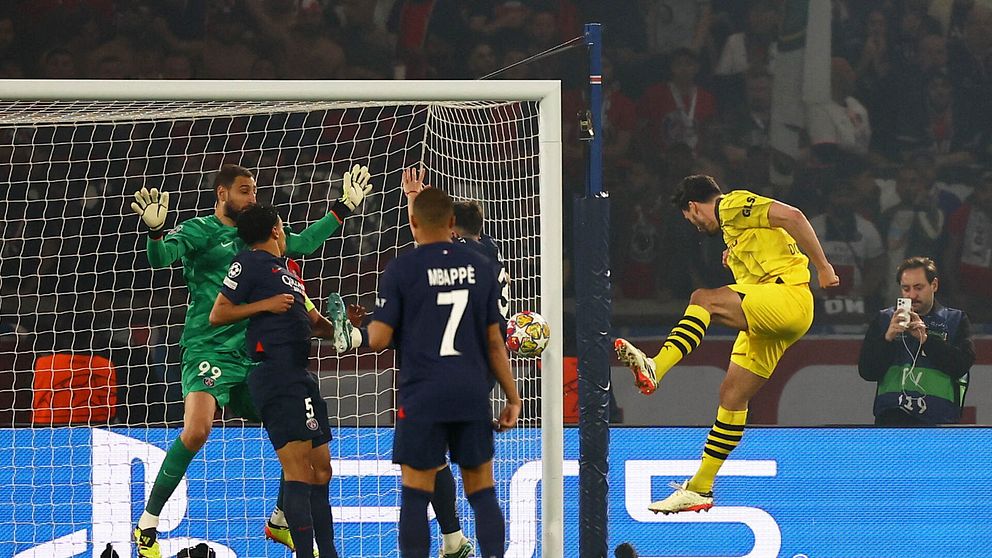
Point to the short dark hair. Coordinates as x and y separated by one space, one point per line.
255 223
917 262
433 208
696 188
468 216
228 173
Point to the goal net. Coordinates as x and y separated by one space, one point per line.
90 392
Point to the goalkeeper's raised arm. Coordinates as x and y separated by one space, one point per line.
235 189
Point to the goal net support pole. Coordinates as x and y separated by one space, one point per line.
592 319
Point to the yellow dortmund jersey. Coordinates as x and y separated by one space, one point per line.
758 252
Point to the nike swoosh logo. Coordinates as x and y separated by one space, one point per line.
226 244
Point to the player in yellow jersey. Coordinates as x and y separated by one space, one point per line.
770 304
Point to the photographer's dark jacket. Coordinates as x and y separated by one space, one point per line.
932 391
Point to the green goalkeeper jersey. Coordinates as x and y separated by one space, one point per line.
206 247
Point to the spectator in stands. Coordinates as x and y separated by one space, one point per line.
899 112
968 256
224 53
853 245
744 129
676 111
916 223
429 33
968 56
369 48
844 121
745 51
481 61
920 361
878 54
954 129
678 24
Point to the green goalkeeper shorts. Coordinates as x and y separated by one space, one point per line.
223 375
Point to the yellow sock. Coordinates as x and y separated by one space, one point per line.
722 439
684 338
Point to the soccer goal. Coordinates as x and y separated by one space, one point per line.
90 374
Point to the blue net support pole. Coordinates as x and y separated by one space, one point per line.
592 317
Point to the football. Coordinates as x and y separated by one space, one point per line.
527 334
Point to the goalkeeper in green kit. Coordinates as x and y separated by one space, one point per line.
215 363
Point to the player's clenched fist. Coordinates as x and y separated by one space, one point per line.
151 206
509 415
278 304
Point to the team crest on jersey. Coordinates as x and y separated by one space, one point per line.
312 423
235 270
209 382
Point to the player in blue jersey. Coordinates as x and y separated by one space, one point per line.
439 306
468 231
469 219
261 287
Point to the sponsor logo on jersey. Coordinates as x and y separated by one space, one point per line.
235 270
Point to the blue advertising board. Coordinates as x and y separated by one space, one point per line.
787 492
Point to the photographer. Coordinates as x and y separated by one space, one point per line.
920 357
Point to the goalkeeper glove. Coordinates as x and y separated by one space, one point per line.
356 187
151 206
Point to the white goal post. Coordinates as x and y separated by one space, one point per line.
28 104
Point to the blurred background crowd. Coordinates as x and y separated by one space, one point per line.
894 167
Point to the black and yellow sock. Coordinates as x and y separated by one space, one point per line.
684 338
722 439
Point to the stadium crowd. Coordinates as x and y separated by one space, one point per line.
893 167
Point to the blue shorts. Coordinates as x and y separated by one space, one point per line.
288 400
425 445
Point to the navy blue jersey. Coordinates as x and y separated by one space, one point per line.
256 275
486 246
440 300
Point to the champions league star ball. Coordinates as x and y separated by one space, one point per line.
527 334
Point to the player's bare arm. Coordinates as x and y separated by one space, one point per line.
380 335
319 325
499 363
413 184
226 312
797 225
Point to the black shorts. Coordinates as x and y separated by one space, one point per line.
424 445
289 402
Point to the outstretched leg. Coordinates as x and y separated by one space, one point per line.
722 306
